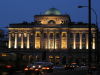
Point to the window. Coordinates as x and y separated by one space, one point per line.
45 35
64 34
51 22
83 35
19 35
71 35
71 46
77 35
25 35
51 34
12 34
31 33
38 35
57 34
6 44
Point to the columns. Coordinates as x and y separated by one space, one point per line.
87 41
93 41
48 44
9 40
15 45
80 40
22 40
28 40
74 45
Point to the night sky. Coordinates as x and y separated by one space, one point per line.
17 11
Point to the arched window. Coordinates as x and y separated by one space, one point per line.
51 22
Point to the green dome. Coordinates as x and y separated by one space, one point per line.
53 11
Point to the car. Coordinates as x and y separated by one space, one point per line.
32 69
74 65
69 66
45 66
93 67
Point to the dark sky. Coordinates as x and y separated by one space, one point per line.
17 11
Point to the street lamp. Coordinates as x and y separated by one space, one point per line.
93 10
96 25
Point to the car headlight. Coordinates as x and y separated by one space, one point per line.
39 66
33 66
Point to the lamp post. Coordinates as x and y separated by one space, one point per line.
97 33
89 9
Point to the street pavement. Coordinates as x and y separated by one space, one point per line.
62 71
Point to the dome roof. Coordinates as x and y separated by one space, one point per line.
53 11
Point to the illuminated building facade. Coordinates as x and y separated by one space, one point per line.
63 40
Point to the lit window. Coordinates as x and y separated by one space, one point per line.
12 34
19 35
24 34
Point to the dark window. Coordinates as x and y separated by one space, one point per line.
71 35
57 34
64 34
77 35
45 35
71 46
51 34
38 35
51 22
83 35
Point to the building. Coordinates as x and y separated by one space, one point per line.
64 41
3 41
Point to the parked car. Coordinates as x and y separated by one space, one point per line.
69 66
32 69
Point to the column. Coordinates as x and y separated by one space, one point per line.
66 40
41 44
80 40
54 40
34 40
28 40
74 45
22 40
60 40
15 45
48 44
86 41
9 40
93 41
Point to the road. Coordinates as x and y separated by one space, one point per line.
77 71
